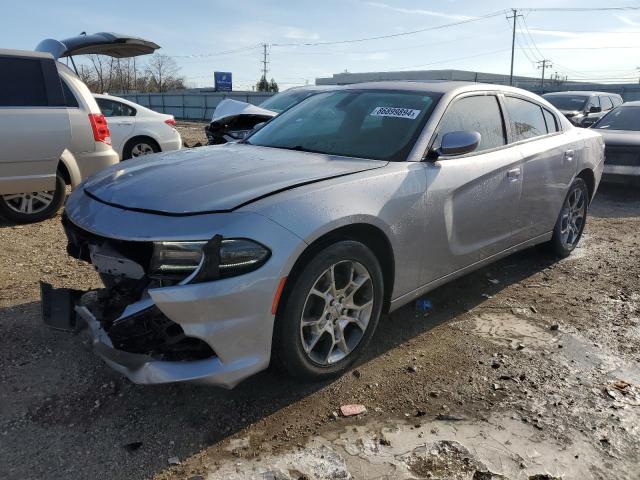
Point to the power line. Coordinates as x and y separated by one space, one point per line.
227 52
450 60
393 35
577 9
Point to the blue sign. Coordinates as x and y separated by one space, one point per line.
222 81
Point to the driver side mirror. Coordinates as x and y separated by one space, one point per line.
595 109
458 143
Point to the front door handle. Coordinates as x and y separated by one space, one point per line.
568 155
514 174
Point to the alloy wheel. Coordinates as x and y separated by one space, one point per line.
336 312
29 203
141 149
574 212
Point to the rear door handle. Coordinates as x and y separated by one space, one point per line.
514 174
568 155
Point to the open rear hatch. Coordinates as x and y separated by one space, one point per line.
102 43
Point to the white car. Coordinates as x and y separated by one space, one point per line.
137 130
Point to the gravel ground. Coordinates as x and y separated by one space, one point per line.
525 356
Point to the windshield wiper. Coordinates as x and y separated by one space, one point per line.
300 148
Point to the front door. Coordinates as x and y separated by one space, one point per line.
472 200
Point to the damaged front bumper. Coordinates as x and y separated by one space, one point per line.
215 332
143 344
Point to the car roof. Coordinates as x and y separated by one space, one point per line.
584 93
24 53
437 86
635 103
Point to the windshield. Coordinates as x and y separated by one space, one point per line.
376 124
567 102
621 118
281 101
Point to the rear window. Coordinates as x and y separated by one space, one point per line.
112 108
567 102
69 98
22 83
526 119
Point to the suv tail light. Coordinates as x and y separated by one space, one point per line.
100 128
171 122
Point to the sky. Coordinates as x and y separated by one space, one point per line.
207 36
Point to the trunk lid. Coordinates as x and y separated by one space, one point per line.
102 43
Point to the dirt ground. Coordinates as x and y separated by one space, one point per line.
527 367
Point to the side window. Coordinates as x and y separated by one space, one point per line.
69 98
477 114
616 101
22 83
550 120
605 103
526 119
111 108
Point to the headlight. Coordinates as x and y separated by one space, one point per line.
216 258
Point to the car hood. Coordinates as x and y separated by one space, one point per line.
103 43
232 108
619 138
214 179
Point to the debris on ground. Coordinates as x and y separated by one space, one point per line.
352 410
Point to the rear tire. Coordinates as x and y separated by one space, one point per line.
330 313
33 206
139 146
571 220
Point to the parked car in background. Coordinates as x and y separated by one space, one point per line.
233 120
621 131
137 130
52 134
583 108
295 240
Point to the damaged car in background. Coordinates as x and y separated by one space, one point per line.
287 247
234 120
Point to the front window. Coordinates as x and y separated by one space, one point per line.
376 124
621 118
281 101
567 102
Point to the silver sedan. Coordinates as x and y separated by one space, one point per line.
289 246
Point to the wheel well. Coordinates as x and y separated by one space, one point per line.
590 180
371 236
138 138
64 171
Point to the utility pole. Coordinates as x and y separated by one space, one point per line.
544 64
264 60
513 42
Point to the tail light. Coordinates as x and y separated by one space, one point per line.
171 122
100 128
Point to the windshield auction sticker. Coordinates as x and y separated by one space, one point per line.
395 112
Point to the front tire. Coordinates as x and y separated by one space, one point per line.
571 220
33 206
330 313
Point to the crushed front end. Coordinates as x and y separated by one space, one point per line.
170 311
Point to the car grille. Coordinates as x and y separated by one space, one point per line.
628 156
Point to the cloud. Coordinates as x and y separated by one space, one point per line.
628 21
551 33
419 11
295 33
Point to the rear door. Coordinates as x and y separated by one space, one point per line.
34 123
121 119
472 200
549 164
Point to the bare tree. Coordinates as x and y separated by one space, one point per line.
163 73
